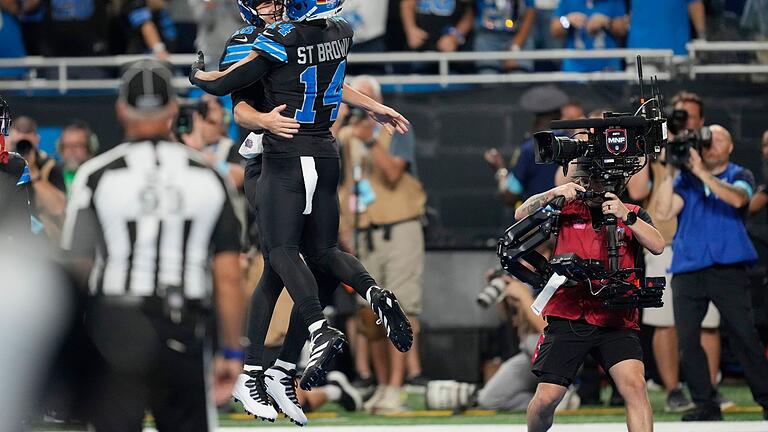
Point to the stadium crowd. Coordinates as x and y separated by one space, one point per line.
81 28
383 202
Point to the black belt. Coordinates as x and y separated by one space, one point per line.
191 312
368 231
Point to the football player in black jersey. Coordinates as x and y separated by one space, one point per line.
280 385
15 213
303 65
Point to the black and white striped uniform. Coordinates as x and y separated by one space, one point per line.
152 216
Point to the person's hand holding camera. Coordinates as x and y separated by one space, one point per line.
695 164
615 207
569 191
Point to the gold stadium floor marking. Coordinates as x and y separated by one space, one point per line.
435 413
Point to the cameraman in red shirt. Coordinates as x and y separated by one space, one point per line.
578 323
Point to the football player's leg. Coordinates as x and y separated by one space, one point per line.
279 378
321 244
282 199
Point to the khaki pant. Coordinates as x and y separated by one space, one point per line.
397 263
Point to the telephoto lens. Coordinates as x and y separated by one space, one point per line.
493 293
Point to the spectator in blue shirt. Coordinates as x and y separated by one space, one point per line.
588 25
664 24
711 252
504 25
12 45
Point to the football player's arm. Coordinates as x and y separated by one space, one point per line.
389 118
219 83
274 121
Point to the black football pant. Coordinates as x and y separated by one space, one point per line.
298 211
140 361
728 288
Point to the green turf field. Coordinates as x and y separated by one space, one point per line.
331 415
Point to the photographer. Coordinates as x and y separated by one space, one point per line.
512 387
48 191
578 323
687 120
711 253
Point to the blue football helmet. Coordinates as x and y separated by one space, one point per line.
306 10
250 14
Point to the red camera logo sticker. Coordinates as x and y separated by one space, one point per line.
616 140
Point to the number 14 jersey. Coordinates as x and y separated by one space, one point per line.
310 61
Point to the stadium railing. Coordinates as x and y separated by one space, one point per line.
665 66
697 49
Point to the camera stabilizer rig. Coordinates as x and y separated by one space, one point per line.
618 288
617 147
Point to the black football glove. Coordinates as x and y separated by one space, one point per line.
198 65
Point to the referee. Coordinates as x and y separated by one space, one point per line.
147 222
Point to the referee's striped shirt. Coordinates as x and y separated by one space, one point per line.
150 214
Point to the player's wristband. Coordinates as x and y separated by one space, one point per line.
233 354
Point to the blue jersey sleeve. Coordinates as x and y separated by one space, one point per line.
273 40
238 46
270 48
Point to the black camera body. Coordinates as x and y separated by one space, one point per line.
187 108
678 151
616 148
